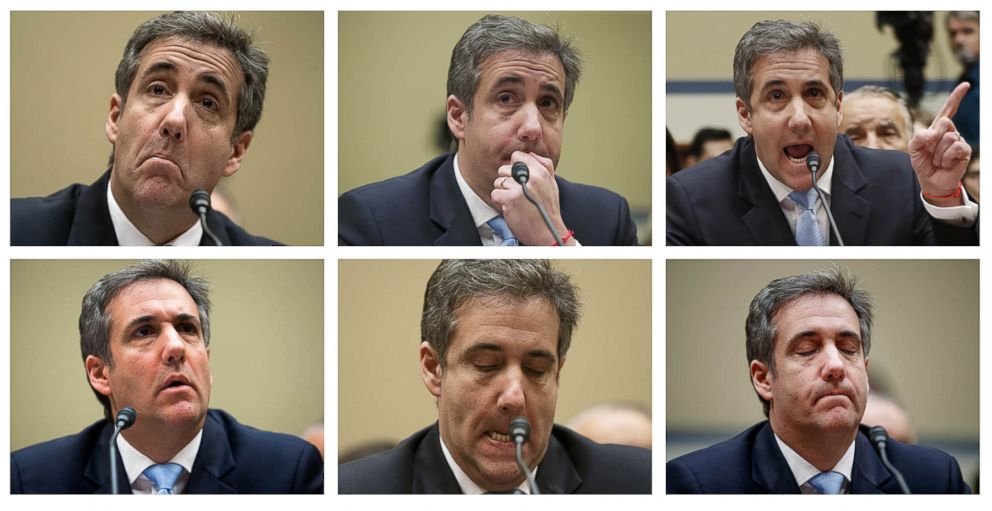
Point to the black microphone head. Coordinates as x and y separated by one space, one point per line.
126 417
520 174
520 427
813 161
877 435
199 201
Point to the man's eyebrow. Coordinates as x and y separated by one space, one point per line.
216 81
545 354
159 66
140 320
483 347
805 334
507 80
552 88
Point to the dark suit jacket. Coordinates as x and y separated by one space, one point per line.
78 215
426 207
751 462
875 200
572 464
232 459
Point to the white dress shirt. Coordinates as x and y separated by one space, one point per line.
466 483
481 211
136 463
129 236
803 471
960 216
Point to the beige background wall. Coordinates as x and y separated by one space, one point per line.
381 395
267 343
392 72
62 76
866 50
925 340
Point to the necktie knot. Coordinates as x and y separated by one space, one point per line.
808 231
163 477
498 225
827 483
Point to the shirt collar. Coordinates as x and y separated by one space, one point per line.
804 471
129 235
481 212
135 463
782 191
466 483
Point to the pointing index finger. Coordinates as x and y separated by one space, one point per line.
953 102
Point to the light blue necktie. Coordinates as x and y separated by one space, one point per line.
827 483
498 225
164 476
807 228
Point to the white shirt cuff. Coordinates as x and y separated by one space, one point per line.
960 216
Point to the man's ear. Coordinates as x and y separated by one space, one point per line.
840 114
457 117
743 115
239 149
561 364
113 117
761 378
430 369
98 373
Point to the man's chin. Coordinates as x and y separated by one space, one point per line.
500 477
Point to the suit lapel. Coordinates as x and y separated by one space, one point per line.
556 475
764 218
431 473
216 225
92 224
868 474
449 210
851 212
213 461
98 467
769 470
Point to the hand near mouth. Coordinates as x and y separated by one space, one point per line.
940 156
521 216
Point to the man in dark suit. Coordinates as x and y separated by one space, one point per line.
510 84
189 92
494 338
145 336
789 84
808 338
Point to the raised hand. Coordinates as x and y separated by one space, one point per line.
940 156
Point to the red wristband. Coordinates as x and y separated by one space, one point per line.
955 195
564 239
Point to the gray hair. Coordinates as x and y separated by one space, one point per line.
95 321
761 328
963 15
203 28
456 281
768 37
887 93
493 34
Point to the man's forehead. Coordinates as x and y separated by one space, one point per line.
152 290
506 61
187 49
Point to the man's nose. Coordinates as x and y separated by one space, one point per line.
174 351
511 399
872 141
174 123
833 364
799 120
530 128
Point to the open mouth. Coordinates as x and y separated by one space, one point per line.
797 152
499 437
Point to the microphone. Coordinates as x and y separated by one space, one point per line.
125 419
520 432
199 202
880 439
813 163
521 174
